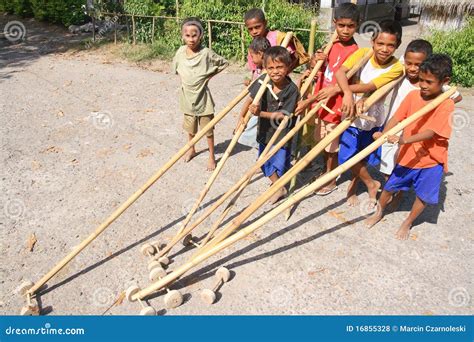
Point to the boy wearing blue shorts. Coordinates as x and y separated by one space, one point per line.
382 68
423 151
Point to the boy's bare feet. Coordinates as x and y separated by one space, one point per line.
373 189
278 195
211 164
352 199
403 233
190 155
374 219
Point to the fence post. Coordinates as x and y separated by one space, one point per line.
115 29
133 30
177 11
242 41
209 33
153 30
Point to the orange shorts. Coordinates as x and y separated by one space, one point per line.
321 130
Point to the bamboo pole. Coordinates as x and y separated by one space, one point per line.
134 37
242 42
237 186
298 167
292 200
319 64
209 33
139 192
299 136
228 151
248 175
153 30
232 202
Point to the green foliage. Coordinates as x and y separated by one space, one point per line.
65 12
459 45
226 38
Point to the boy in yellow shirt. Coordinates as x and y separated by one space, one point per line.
382 68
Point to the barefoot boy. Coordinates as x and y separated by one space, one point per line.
278 101
423 146
196 65
346 22
416 53
381 69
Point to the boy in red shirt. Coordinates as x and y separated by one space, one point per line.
423 146
346 21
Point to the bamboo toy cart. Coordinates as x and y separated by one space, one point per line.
300 195
29 289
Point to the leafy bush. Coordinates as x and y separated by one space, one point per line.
65 12
458 45
226 38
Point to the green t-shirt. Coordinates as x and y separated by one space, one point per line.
195 72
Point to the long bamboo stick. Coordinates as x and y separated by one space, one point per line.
139 192
298 167
228 151
319 64
280 128
237 186
242 182
234 199
292 200
299 136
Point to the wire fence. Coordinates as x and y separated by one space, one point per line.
156 30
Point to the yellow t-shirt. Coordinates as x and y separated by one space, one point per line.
379 75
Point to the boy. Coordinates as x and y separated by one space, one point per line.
380 70
416 53
278 101
256 25
196 65
257 49
346 22
423 146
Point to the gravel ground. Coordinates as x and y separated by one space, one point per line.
82 131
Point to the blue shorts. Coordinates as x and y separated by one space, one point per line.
279 162
425 181
354 140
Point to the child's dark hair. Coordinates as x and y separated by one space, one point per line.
390 27
259 44
193 21
347 11
438 64
277 53
254 13
420 46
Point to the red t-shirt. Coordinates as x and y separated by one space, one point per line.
428 153
337 56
